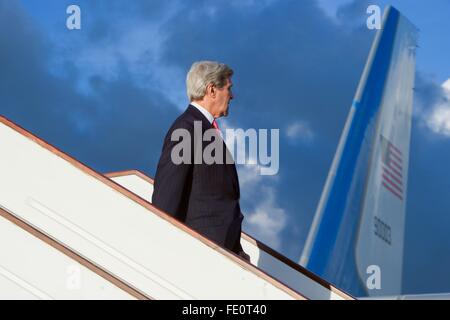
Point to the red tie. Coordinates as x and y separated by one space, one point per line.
214 123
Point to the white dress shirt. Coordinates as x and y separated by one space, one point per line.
205 112
208 115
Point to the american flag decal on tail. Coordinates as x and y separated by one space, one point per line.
392 168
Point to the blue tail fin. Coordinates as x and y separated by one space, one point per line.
356 239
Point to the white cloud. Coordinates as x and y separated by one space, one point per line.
264 217
299 130
249 177
439 119
240 144
330 7
267 220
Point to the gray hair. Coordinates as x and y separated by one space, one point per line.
203 73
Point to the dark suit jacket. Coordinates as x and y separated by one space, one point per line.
203 196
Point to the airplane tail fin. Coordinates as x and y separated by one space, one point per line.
356 238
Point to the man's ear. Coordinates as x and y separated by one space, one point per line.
211 90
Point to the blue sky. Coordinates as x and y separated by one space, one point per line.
432 20
107 93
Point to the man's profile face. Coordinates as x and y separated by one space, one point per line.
224 95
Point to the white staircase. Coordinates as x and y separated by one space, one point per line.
56 213
261 255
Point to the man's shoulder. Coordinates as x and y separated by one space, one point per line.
187 119
184 120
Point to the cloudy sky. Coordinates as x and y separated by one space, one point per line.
106 94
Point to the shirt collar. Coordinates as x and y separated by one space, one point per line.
205 112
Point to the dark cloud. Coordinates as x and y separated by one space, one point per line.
292 63
119 126
103 17
130 132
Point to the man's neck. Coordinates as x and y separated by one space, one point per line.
204 110
209 106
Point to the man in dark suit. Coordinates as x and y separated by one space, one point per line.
203 195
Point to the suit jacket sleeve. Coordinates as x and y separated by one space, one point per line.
172 182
